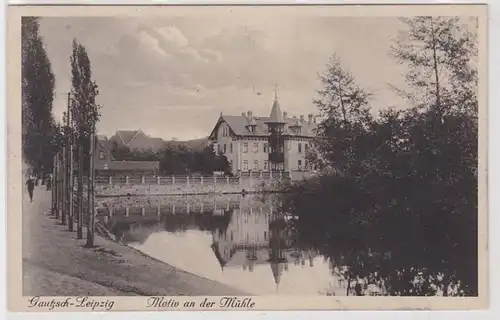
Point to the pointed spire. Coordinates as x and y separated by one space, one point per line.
276 116
277 270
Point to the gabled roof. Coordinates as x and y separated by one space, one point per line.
127 135
242 125
157 143
107 145
239 126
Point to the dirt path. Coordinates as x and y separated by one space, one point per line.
56 263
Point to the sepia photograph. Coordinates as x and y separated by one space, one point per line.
239 152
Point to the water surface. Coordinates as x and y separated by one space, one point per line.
241 241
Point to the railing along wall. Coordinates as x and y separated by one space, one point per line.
184 184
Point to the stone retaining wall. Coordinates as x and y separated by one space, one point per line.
156 186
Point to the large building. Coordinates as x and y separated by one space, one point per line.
277 142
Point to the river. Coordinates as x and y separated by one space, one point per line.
241 241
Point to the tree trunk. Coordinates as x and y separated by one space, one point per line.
436 72
64 189
348 285
90 195
79 228
58 183
54 187
70 189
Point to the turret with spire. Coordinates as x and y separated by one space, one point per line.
276 127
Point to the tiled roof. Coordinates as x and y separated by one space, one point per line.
157 143
126 135
240 125
108 145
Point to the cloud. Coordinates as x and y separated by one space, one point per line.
172 35
178 74
151 43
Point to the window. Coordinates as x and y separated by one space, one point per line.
265 235
219 149
306 146
225 131
245 165
266 164
300 164
256 164
300 147
266 147
230 148
245 147
101 155
225 148
232 236
255 147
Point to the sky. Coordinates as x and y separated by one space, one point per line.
172 76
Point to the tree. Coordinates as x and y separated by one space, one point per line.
84 108
403 213
183 160
84 117
344 112
39 130
440 53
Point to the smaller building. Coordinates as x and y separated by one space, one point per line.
106 165
137 140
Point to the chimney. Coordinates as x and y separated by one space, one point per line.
310 118
249 113
243 114
301 118
285 114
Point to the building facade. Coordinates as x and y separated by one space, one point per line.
273 143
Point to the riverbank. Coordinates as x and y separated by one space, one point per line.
55 262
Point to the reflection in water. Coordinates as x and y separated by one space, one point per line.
242 241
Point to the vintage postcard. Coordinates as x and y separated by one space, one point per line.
247 157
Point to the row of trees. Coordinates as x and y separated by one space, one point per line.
396 205
42 138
